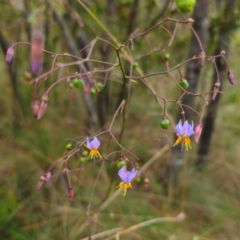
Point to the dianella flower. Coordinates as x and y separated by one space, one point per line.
184 133
93 145
126 178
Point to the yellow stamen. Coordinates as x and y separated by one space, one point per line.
178 141
94 153
125 186
187 143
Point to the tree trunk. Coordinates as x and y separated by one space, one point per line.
225 31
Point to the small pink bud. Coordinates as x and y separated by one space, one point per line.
70 194
201 58
43 105
35 107
216 89
197 132
9 54
48 176
230 77
36 53
39 185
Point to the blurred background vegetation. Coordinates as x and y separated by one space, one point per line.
209 196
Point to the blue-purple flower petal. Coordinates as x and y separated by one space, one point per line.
179 128
125 175
93 144
122 172
185 128
190 130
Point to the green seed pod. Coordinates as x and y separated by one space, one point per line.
82 160
85 153
165 123
77 83
121 164
135 64
186 5
184 83
138 179
167 56
100 86
69 146
92 91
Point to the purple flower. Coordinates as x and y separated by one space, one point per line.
184 133
93 146
126 178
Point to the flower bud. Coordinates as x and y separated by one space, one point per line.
9 54
48 176
39 185
201 58
146 182
36 53
230 77
197 132
70 194
43 105
216 89
35 107
28 76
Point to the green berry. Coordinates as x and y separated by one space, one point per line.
100 86
167 56
138 179
121 164
85 153
82 160
135 64
111 215
77 83
69 146
165 123
186 5
92 91
184 83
